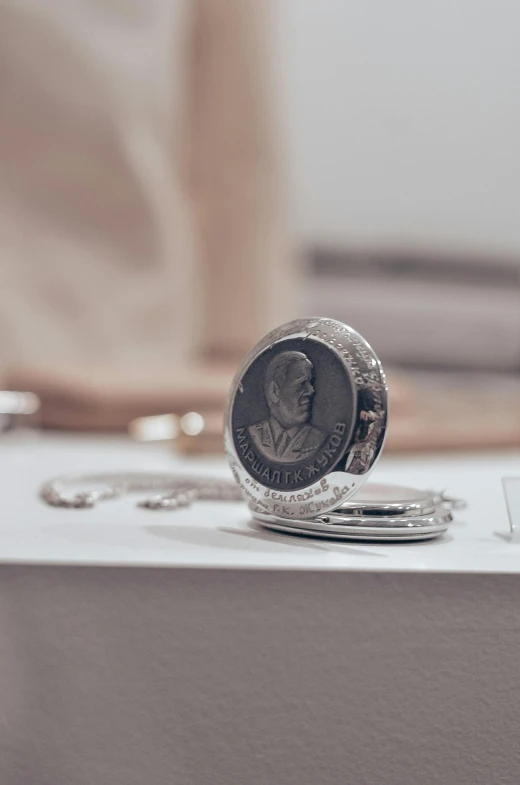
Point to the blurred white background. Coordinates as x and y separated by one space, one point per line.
404 122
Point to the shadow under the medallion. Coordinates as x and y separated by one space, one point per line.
253 538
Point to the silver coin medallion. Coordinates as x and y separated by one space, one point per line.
306 418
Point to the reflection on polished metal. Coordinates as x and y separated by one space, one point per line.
373 535
378 499
341 526
336 522
385 499
377 512
306 418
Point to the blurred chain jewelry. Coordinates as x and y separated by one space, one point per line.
173 491
383 513
176 491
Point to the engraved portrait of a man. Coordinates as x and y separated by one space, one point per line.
288 436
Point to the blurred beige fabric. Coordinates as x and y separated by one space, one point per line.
139 195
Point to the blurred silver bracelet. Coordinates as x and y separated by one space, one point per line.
171 491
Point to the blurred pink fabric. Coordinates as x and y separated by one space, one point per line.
139 193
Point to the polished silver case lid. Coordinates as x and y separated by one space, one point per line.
306 419
361 528
386 499
400 535
342 522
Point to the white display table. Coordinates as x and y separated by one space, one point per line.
249 657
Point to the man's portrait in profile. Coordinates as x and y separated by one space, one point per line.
287 436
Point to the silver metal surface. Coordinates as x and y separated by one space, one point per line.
338 518
374 535
386 499
365 525
306 418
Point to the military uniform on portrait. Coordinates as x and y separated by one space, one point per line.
287 435
286 446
